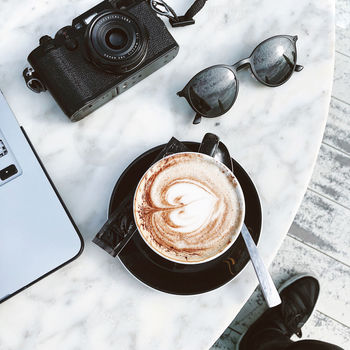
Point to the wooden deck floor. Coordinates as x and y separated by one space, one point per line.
318 242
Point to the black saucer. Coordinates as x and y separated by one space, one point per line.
182 279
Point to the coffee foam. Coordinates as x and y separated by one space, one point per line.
187 207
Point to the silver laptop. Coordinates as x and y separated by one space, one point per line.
37 234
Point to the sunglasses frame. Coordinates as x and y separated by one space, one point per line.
236 67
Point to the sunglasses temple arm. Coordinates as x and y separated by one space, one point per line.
298 68
181 93
197 119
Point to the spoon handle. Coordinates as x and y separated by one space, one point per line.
268 288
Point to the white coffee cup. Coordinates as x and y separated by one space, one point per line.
189 208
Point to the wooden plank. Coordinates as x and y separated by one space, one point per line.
321 327
338 126
331 176
342 42
341 86
342 21
227 341
323 225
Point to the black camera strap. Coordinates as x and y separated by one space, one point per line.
163 9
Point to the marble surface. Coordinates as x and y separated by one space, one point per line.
274 133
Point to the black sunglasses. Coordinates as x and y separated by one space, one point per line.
213 91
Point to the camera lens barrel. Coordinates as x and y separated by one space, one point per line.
116 41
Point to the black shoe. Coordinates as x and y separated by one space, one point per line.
299 295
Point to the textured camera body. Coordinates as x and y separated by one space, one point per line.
77 84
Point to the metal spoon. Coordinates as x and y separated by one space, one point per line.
267 286
223 156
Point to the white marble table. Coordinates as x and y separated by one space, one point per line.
274 133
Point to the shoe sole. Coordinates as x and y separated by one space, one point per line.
280 289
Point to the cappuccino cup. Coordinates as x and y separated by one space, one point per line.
188 207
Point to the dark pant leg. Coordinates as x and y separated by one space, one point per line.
311 345
274 340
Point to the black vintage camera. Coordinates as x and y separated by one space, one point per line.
107 50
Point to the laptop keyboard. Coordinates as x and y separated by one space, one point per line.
3 149
9 167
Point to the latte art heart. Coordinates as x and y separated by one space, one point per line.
187 208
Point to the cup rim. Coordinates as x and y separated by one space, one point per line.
238 190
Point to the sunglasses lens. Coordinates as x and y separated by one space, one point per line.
213 91
274 60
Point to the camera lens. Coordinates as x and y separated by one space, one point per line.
116 41
116 38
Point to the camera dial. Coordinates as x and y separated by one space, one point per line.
66 36
116 41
